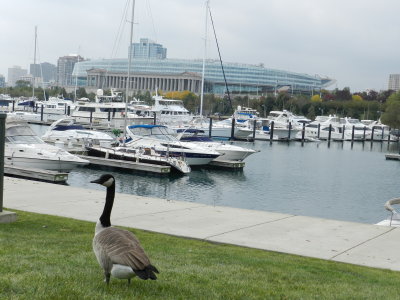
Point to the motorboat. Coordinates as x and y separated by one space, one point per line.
170 111
162 140
109 111
55 106
24 116
23 148
394 218
69 133
142 155
354 129
380 131
228 151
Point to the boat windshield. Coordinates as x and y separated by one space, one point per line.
22 135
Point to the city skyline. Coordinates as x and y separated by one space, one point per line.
351 42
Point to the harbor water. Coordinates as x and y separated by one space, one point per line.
338 180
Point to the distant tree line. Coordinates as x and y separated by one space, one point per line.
371 105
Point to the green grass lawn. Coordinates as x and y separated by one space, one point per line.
46 257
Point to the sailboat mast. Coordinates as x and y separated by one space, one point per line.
34 66
130 53
204 62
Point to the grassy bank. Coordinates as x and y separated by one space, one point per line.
46 257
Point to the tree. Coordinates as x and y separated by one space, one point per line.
316 98
391 116
357 98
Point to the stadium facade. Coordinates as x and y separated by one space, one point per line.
179 74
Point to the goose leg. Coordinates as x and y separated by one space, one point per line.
107 277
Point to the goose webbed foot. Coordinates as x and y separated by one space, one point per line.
107 278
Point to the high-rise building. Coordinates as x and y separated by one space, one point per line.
65 66
2 81
14 74
45 70
147 48
394 82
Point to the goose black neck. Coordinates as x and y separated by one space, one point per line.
105 217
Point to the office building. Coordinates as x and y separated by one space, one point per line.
14 74
65 66
147 48
45 70
2 81
394 82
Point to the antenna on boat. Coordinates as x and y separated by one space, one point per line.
34 64
130 53
220 59
204 61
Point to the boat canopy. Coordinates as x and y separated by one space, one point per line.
146 126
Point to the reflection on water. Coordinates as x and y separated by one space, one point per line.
337 180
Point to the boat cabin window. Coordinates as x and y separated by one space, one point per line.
86 108
22 135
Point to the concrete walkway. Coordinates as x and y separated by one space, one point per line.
361 244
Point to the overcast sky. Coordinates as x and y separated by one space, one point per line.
356 42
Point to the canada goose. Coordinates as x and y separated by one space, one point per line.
118 251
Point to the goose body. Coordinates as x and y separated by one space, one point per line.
118 251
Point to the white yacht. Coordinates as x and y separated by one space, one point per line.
228 151
170 111
108 110
161 139
55 105
142 155
283 121
361 132
67 132
23 148
381 131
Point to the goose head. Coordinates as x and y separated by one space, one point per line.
106 180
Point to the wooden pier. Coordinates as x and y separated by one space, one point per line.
127 165
38 174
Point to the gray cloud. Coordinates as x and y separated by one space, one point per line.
352 41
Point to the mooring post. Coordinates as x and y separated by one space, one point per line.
343 131
233 129
13 106
383 132
69 110
254 129
41 113
91 117
271 131
109 116
388 136
330 132
352 133
372 133
210 128
290 128
154 118
319 130
365 129
303 132
2 140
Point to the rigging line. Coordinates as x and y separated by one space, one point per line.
152 19
118 37
220 59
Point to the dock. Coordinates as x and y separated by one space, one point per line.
38 174
127 165
392 156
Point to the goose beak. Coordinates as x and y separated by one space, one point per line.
96 181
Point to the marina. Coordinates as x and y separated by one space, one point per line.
341 181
